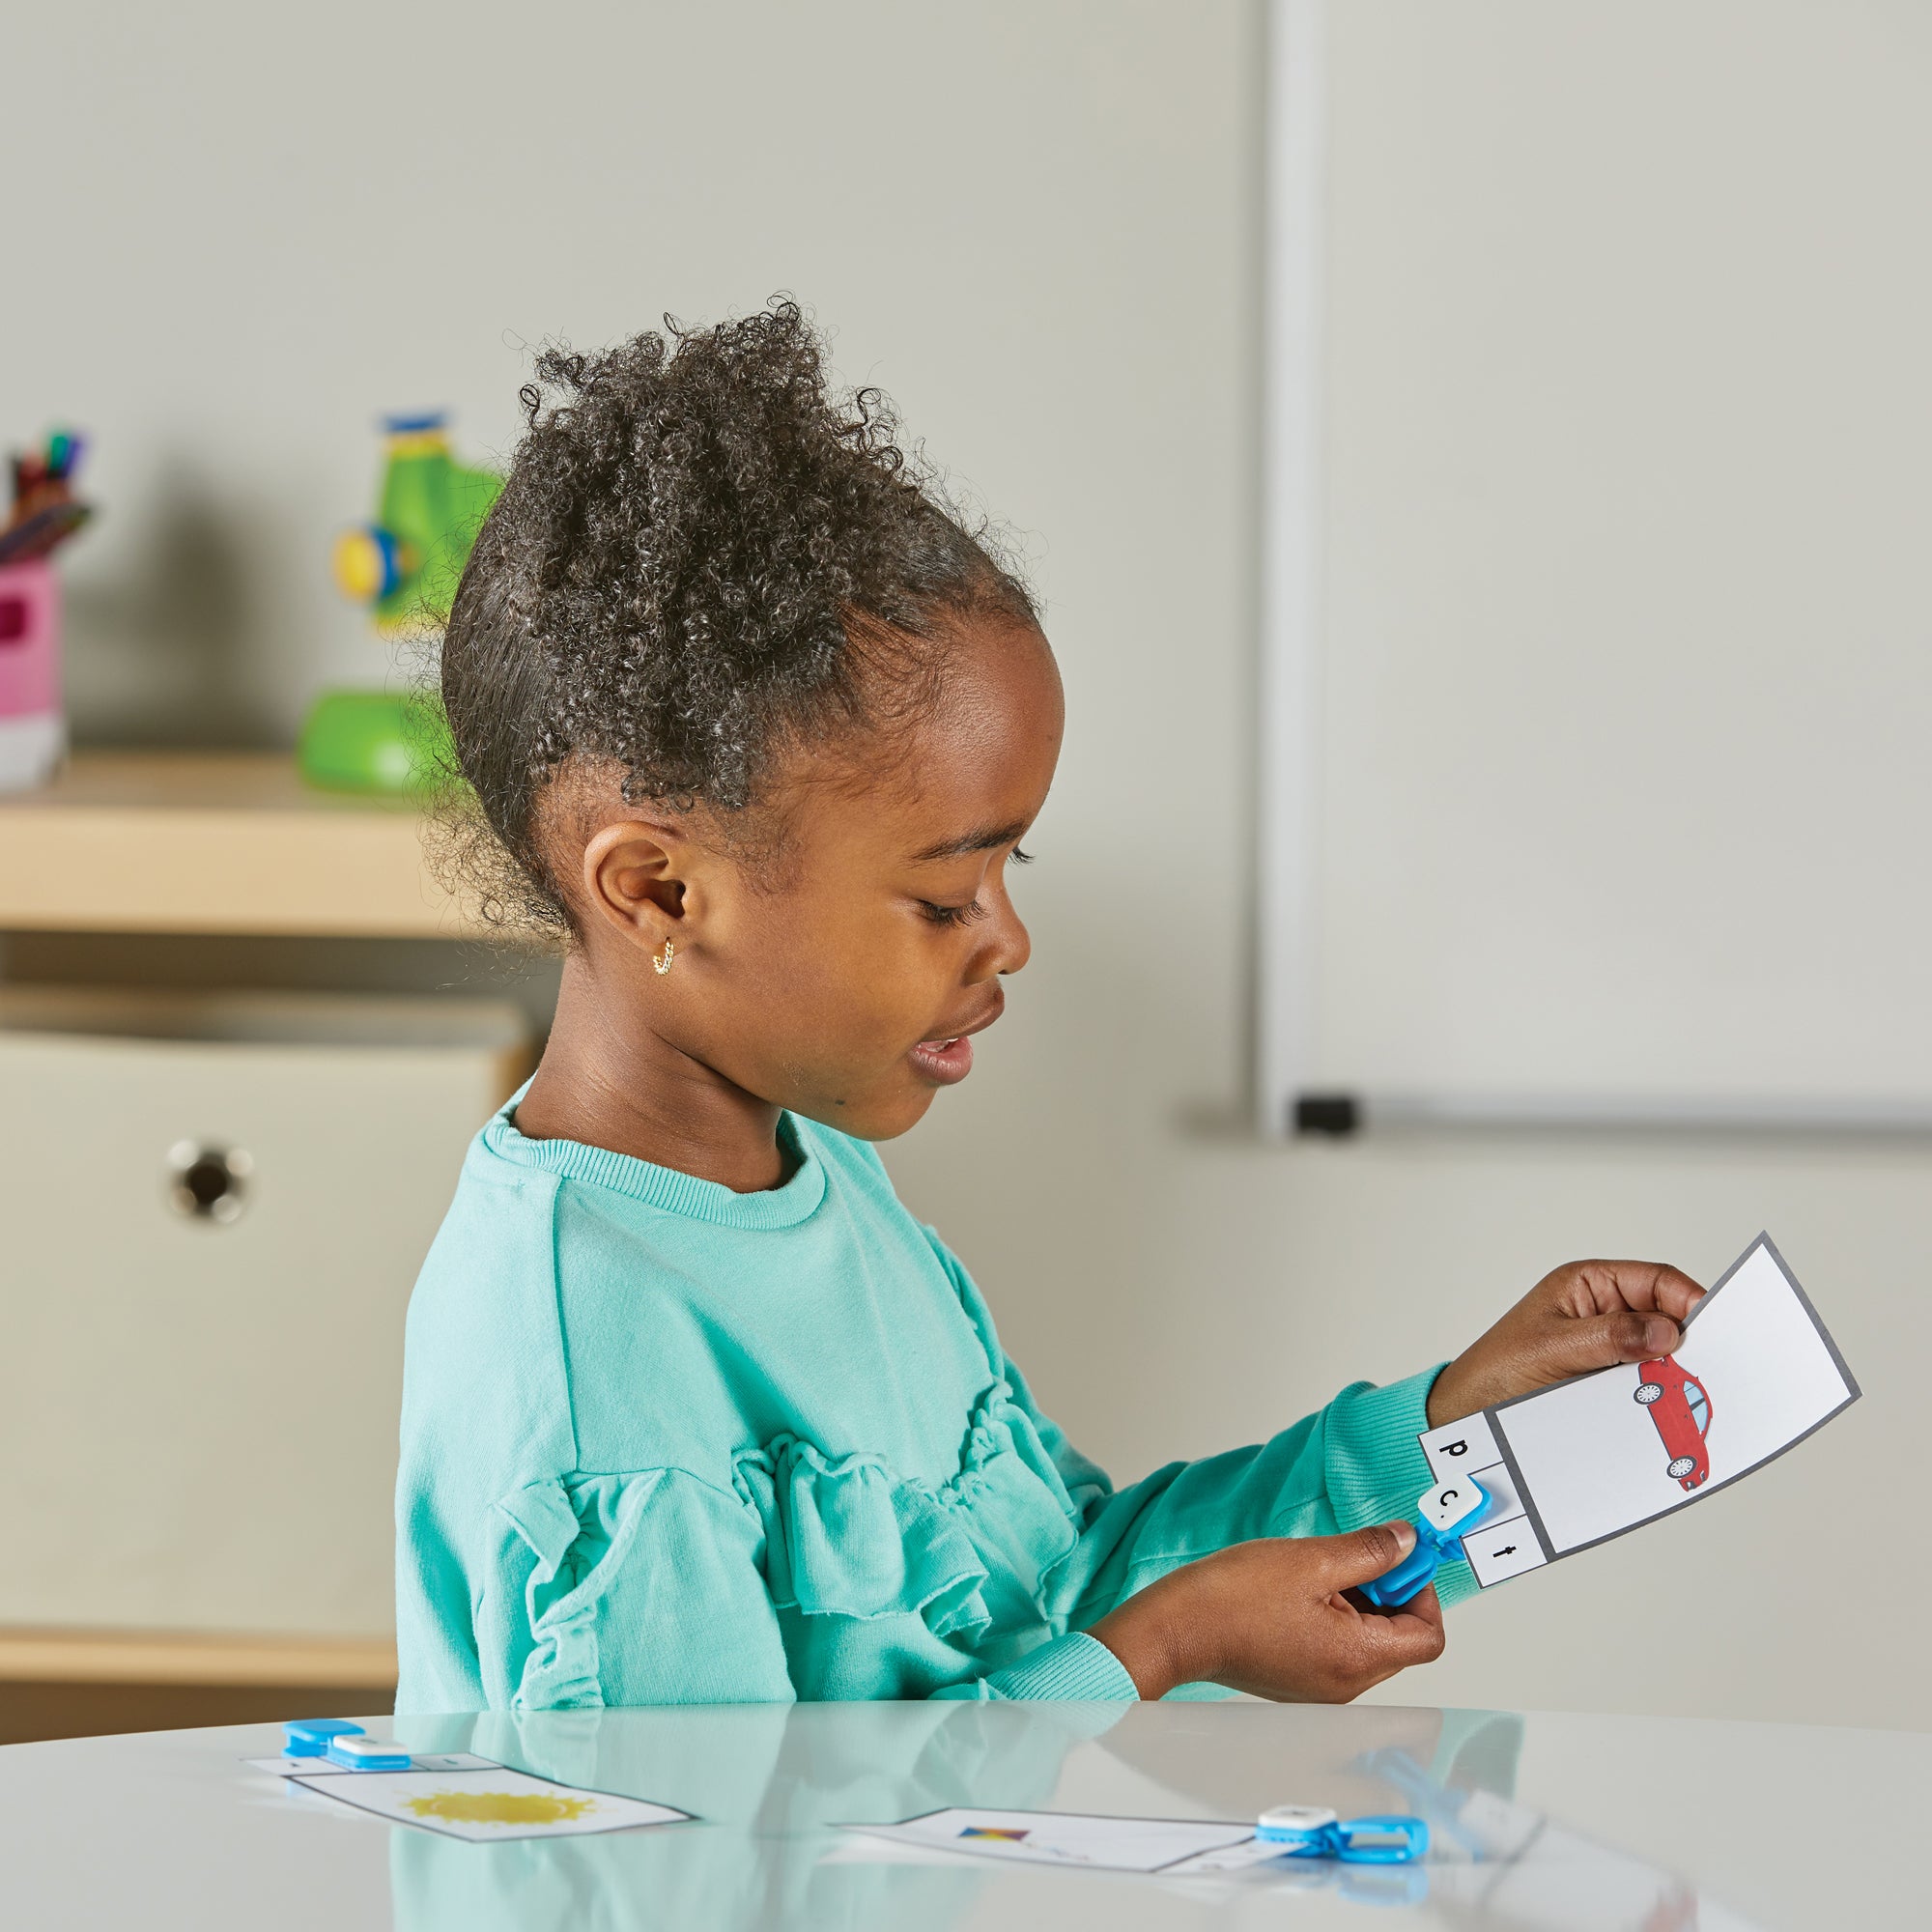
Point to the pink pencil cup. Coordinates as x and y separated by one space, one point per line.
33 729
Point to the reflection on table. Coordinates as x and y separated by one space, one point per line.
773 1784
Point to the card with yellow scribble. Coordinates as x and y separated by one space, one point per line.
488 1805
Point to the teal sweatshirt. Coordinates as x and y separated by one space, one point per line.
664 1443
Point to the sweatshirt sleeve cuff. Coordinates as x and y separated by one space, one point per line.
1376 1469
1073 1665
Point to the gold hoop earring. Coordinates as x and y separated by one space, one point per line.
662 965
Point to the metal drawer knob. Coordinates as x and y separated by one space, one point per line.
208 1182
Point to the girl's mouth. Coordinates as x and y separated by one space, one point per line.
944 1062
948 1060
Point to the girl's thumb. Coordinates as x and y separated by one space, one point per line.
1627 1335
1602 1342
1364 1554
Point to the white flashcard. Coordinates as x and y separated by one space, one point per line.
1485 1850
320 1767
1064 1838
1500 1550
1463 1448
492 1804
1575 1464
1243 1856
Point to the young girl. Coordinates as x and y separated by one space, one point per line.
693 1409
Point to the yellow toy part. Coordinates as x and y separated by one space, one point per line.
368 563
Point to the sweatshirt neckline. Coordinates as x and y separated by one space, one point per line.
665 1187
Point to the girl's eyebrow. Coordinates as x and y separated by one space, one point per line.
987 840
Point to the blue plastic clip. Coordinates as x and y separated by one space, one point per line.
1444 1518
1312 1832
308 1737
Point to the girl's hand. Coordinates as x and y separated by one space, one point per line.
1271 1617
1590 1314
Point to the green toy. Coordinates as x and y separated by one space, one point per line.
405 566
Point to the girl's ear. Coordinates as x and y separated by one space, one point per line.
635 878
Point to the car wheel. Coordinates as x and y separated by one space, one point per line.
1649 1392
1681 1466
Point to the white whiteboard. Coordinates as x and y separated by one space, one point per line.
1599 606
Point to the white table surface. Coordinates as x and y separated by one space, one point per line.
1659 1824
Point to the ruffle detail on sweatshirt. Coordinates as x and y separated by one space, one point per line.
847 1536
579 1536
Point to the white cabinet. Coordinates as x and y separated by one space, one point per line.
198 1408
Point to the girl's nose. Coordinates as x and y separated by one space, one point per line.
1008 944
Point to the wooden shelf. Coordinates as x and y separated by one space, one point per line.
155 1657
214 841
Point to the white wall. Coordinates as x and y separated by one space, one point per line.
1625 607
1036 224
255 229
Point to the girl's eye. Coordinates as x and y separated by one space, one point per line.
941 915
965 915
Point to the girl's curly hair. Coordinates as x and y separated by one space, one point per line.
702 553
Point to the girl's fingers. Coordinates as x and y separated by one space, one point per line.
1424 1607
1412 1634
1641 1284
1677 1294
1576 1346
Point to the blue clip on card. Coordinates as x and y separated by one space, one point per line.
360 1754
1444 1518
1313 1832
308 1737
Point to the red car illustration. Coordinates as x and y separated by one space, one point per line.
1682 1411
